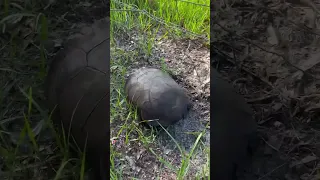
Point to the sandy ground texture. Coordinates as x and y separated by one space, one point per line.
269 50
188 63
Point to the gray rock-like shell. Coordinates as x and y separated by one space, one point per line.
78 85
157 96
233 129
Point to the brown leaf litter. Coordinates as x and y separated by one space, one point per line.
273 47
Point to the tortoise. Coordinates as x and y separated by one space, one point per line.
77 91
158 98
233 131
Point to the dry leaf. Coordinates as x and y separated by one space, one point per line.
272 39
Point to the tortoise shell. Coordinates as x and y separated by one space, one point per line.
233 129
157 97
77 87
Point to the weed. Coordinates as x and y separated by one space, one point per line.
30 145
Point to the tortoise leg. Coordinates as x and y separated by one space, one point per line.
140 119
100 168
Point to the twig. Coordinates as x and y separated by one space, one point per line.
283 56
264 176
274 148
249 41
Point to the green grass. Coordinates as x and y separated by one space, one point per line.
29 30
149 20
193 15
